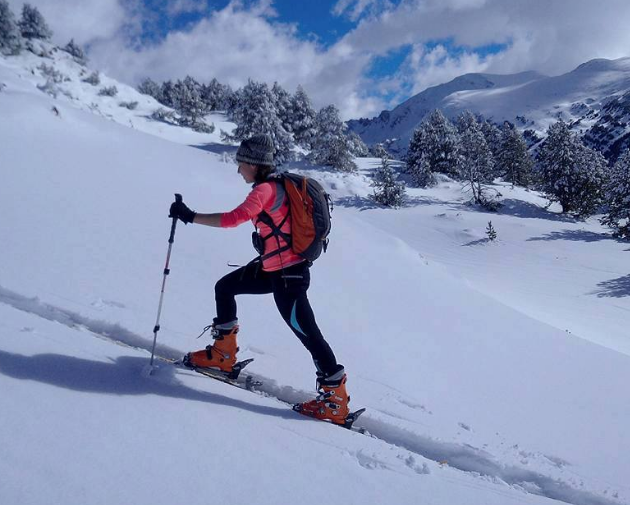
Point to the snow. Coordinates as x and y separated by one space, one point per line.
493 373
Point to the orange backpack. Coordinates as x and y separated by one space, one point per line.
309 207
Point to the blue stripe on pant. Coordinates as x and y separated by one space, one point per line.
289 287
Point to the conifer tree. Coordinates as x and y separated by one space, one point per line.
302 118
33 25
215 95
10 38
418 164
514 162
476 163
331 145
230 99
617 196
492 134
379 151
149 87
168 92
387 190
491 232
571 173
434 148
357 146
283 105
76 52
187 101
94 78
254 112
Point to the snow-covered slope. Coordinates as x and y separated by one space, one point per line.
475 390
529 100
69 88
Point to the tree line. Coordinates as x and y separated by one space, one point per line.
289 119
476 152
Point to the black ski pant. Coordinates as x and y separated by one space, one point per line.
289 288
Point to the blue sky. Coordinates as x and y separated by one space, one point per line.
313 19
361 55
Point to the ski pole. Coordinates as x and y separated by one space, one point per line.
171 239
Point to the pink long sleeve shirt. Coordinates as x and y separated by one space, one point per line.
271 198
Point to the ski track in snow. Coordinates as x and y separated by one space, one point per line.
462 457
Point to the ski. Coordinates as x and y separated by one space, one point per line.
348 423
250 384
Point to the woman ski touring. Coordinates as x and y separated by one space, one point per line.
278 271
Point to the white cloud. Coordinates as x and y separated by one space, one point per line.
356 9
83 20
425 68
551 37
175 7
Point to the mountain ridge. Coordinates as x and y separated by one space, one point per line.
530 100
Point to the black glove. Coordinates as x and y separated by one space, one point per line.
182 212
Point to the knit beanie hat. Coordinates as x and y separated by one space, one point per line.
257 150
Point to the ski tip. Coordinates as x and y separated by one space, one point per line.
352 417
244 363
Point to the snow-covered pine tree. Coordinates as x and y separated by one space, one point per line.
33 25
282 102
229 99
94 78
76 52
302 118
417 159
215 95
149 87
438 144
387 190
594 174
492 134
514 162
254 112
571 173
617 198
168 92
491 232
10 38
379 151
188 102
357 146
331 145
234 103
108 91
476 162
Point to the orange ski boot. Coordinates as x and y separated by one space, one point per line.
219 356
331 404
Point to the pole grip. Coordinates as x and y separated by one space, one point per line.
171 238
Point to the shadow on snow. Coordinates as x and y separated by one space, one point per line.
573 236
121 376
614 288
527 210
217 148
